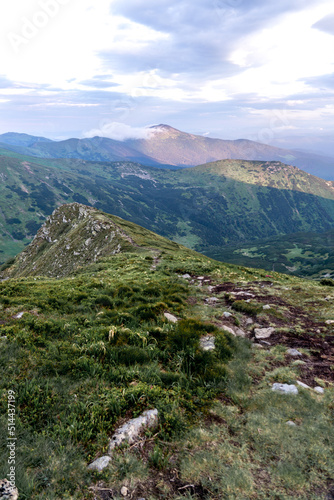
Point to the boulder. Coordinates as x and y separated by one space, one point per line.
228 329
294 352
227 314
319 390
207 343
240 333
211 300
263 333
171 317
301 384
130 431
284 388
100 463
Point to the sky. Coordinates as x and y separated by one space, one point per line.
221 68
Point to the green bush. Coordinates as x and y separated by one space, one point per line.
246 307
327 282
130 355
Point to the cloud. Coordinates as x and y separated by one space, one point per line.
325 24
119 132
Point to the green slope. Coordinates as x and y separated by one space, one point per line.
82 354
303 254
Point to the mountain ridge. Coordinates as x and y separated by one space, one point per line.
168 146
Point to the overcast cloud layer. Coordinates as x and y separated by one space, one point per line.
224 68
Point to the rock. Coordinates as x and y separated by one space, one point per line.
263 333
301 384
130 431
284 388
240 333
7 491
267 306
289 422
249 321
171 317
329 321
186 276
207 343
228 329
124 491
294 352
258 346
100 463
200 277
319 390
226 314
18 315
211 300
210 288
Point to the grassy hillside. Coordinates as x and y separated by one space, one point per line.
303 254
203 208
85 352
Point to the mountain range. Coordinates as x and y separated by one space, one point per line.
228 202
166 146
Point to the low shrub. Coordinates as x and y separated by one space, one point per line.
246 307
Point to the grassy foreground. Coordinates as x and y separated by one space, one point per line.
94 349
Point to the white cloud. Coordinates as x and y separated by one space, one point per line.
119 132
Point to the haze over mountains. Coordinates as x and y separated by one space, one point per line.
166 145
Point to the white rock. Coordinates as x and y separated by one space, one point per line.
227 314
186 276
329 321
267 306
284 388
171 317
258 346
200 277
240 333
124 491
207 343
100 463
18 315
212 300
319 390
294 352
228 329
301 384
289 422
249 321
130 431
263 333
